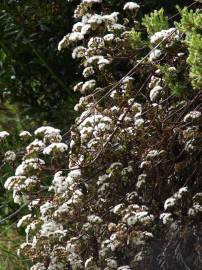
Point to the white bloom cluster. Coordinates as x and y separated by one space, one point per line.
155 54
46 130
13 181
55 148
78 52
24 220
172 201
35 147
38 266
25 134
171 33
3 135
166 218
131 6
9 156
30 164
191 116
155 93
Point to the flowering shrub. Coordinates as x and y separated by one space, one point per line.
121 189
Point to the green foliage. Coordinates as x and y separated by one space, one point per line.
135 40
9 240
155 22
34 75
191 25
174 80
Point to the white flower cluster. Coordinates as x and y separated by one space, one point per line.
131 6
192 116
3 135
171 34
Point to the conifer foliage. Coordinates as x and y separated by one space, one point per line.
122 188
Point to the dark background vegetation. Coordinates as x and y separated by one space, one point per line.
34 77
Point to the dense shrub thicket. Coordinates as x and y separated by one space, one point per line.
122 188
35 88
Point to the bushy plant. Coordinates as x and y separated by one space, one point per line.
122 188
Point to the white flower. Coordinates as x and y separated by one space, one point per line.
152 154
50 228
96 42
77 27
114 109
181 192
89 263
197 209
95 19
142 217
116 27
78 87
102 63
58 185
162 35
192 116
52 138
76 36
3 135
88 86
172 69
25 134
94 219
118 208
30 182
166 218
131 6
86 29
124 267
132 220
45 209
155 93
64 43
63 209
111 18
88 72
10 156
24 220
112 263
55 148
94 59
139 123
33 203
28 165
78 52
38 266
154 54
169 203
46 130
116 165
109 37
180 54
141 180
35 146
56 265
13 181
75 173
